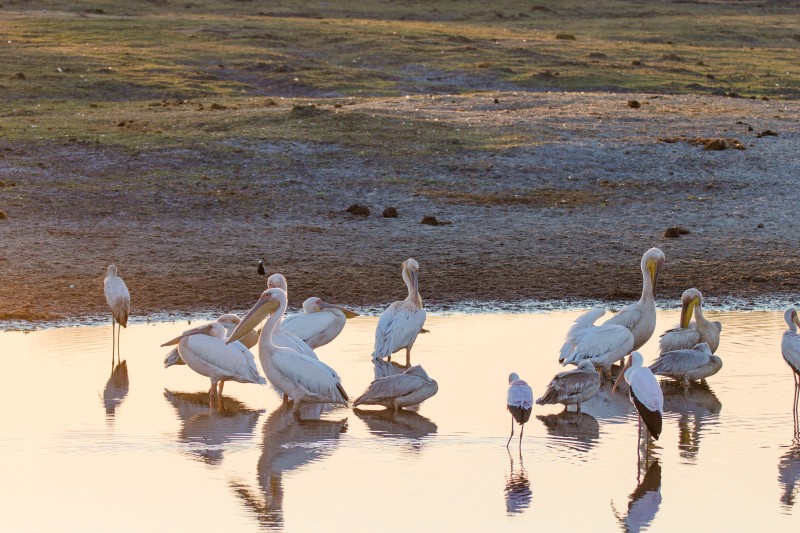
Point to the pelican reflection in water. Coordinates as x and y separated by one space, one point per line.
289 443
789 468
116 388
575 429
518 491
206 430
697 406
643 502
403 424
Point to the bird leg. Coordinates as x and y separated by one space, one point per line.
512 431
408 357
213 390
521 431
113 344
221 384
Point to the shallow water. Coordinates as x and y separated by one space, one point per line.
83 448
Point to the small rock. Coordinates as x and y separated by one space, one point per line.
18 76
390 212
767 133
636 63
633 104
269 102
218 107
565 36
715 144
358 210
597 55
749 128
3 215
760 225
675 232
496 101
432 221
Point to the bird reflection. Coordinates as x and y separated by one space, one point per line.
518 488
643 502
400 424
606 405
697 406
116 388
789 468
207 429
289 443
580 428
385 368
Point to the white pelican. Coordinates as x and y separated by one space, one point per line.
689 334
790 348
645 393
205 351
640 318
119 300
400 324
688 365
286 338
319 323
573 387
229 322
519 403
412 387
602 345
297 376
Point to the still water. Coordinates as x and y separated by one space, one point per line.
85 448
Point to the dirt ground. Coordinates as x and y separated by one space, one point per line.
556 204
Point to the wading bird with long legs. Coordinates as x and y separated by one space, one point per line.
119 300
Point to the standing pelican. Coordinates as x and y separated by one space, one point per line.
645 393
297 376
229 321
790 348
119 300
205 351
400 324
519 403
688 365
689 334
286 338
412 387
573 387
640 318
602 345
319 323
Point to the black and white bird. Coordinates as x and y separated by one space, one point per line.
645 393
519 403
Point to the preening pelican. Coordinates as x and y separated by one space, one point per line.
790 348
319 323
280 336
640 318
297 376
688 365
645 393
573 387
689 334
400 324
412 387
229 321
602 345
205 351
519 403
119 300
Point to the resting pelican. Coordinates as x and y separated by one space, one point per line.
119 300
229 322
573 387
412 387
688 365
400 324
205 351
689 334
297 376
790 348
519 403
645 393
319 323
640 318
602 345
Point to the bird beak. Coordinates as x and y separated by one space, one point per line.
686 312
415 286
796 319
264 306
654 268
622 374
187 333
347 313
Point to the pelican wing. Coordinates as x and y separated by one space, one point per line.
645 388
397 328
790 348
627 317
391 387
173 358
679 338
681 361
233 360
312 374
578 329
315 329
520 394
606 342
289 340
569 384
118 298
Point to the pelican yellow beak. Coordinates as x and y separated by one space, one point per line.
654 267
264 306
415 286
188 333
687 310
347 312
622 374
796 320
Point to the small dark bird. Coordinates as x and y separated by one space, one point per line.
261 270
